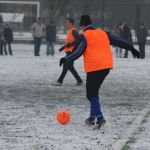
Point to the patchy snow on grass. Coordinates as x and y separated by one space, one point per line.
29 104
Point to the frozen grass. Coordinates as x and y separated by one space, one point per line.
29 103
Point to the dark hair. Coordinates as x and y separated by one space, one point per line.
71 20
51 22
85 20
142 24
120 23
39 18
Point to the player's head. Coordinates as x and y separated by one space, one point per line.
120 25
142 25
69 23
39 20
51 21
6 25
85 21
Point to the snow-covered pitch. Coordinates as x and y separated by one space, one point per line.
29 103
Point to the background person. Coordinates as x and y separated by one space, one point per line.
8 39
38 31
50 38
72 42
141 38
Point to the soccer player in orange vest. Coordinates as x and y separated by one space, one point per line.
72 42
95 47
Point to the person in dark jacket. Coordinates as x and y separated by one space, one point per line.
118 49
2 39
126 35
141 38
1 43
50 38
8 39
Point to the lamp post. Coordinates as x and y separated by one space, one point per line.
103 11
137 17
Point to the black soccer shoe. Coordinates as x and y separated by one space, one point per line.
90 121
100 123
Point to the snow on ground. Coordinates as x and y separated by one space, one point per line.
28 36
29 103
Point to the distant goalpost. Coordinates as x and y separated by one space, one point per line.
21 23
24 3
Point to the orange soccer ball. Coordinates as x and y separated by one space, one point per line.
63 117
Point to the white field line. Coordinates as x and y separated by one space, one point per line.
118 145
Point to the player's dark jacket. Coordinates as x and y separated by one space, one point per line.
114 40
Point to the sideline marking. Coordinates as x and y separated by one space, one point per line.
118 145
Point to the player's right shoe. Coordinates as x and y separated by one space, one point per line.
100 123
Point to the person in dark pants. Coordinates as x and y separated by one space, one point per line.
8 39
1 43
118 49
72 42
37 45
141 38
1 36
50 38
95 47
126 35
38 30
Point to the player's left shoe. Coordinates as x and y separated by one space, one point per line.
57 84
90 121
79 83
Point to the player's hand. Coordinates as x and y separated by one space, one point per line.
135 53
62 61
69 45
61 49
